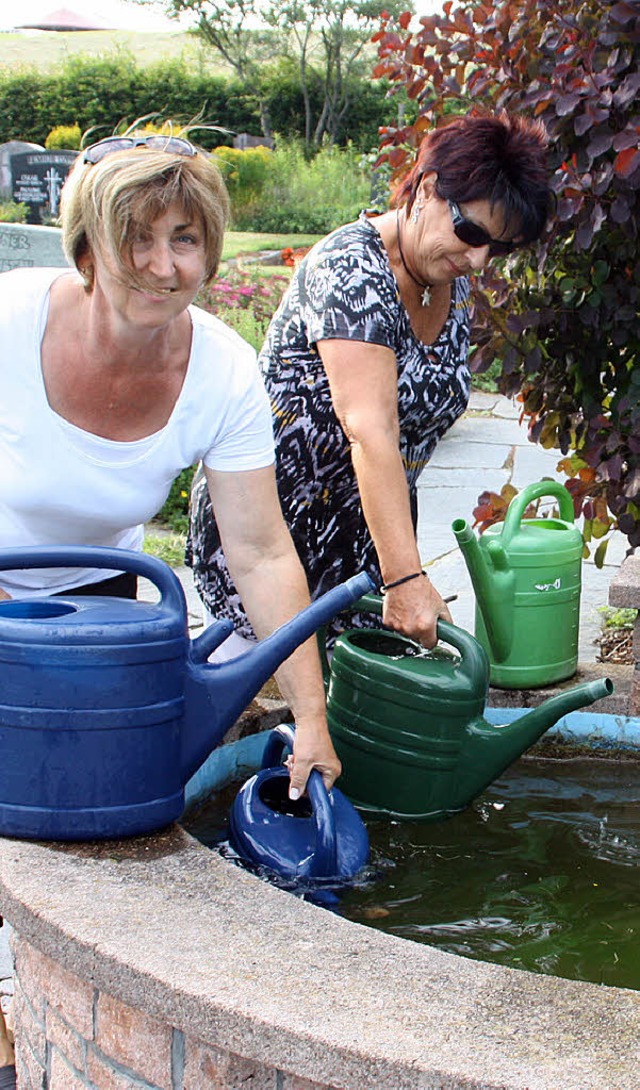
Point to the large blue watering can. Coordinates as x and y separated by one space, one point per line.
107 708
319 837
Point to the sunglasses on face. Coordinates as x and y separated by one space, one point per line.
474 235
175 145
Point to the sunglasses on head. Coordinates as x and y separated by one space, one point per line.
475 235
175 145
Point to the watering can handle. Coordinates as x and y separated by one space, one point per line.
97 556
473 654
532 492
325 857
370 603
280 738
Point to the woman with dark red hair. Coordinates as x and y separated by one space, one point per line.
365 363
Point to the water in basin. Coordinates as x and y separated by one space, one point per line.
540 873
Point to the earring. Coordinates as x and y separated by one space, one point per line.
415 212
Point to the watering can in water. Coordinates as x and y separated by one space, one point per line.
526 574
409 727
106 706
319 837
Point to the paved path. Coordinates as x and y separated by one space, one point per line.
486 449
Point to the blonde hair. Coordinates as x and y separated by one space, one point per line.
105 205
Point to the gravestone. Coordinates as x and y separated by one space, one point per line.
26 246
245 140
11 147
38 177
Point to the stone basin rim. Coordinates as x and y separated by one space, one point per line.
166 925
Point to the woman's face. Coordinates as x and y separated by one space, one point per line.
169 262
438 254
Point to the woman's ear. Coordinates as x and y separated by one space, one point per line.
427 187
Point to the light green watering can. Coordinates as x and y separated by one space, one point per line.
526 574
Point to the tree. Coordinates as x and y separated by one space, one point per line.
226 26
326 39
567 328
330 38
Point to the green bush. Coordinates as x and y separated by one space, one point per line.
617 618
175 513
245 173
307 197
246 301
99 92
11 212
64 136
167 547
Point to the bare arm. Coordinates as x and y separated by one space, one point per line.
363 382
7 1056
266 570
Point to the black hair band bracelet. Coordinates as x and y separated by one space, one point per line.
398 582
405 579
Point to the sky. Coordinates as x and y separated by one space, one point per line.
123 15
116 14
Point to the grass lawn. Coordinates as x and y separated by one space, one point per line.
247 242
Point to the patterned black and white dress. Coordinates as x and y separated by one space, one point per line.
343 289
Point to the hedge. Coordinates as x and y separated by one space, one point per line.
100 93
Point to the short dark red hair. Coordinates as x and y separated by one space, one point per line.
498 158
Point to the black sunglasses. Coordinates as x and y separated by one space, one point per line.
475 235
175 145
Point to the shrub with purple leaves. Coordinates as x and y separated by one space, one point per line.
565 321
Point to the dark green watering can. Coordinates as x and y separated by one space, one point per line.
526 575
409 727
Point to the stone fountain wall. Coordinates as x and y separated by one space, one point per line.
153 964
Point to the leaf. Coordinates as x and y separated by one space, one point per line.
624 12
627 161
627 90
628 138
582 124
600 553
568 207
600 142
566 104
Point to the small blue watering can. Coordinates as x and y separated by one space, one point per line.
107 708
318 837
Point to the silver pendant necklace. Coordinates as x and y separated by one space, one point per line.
425 298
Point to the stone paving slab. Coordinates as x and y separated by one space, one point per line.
533 464
461 453
487 429
454 481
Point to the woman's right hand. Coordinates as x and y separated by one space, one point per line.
414 608
3 595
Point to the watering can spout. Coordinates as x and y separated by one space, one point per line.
217 693
490 749
493 582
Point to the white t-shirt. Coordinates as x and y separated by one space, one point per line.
60 485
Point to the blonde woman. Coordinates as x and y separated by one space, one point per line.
113 382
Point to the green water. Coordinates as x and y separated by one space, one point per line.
540 873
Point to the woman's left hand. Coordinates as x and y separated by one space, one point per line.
312 748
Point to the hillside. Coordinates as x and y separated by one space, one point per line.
45 49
